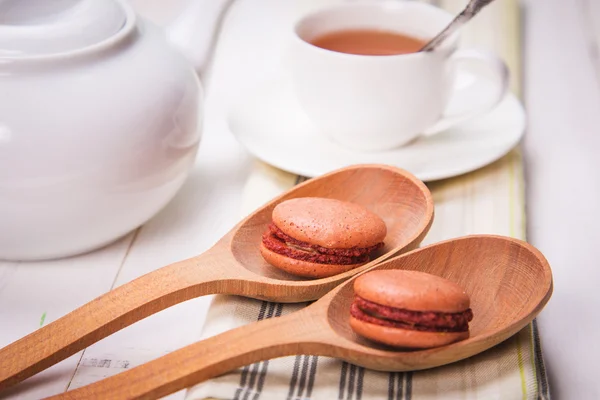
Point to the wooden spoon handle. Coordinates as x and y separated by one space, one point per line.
270 338
109 313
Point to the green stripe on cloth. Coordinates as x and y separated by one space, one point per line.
532 356
521 368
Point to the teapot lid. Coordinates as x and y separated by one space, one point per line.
43 27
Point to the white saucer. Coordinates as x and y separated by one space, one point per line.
271 125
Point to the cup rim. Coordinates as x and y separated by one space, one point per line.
451 45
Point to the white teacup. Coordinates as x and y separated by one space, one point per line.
371 103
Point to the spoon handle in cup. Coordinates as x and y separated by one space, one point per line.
112 312
471 10
296 333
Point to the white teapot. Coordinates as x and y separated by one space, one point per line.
99 124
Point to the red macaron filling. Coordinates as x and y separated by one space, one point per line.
278 242
428 321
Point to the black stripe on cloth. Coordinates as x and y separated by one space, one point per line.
255 367
247 382
250 386
351 380
399 386
542 377
359 383
409 376
244 375
265 365
391 385
261 380
242 384
303 375
343 374
294 378
311 376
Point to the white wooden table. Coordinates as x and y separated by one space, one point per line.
562 93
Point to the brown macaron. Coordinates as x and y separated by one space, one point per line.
316 237
409 309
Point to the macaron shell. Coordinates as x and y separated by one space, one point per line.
406 338
329 223
303 268
411 290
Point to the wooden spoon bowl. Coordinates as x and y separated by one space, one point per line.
508 280
232 266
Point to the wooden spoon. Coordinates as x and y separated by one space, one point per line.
508 280
232 266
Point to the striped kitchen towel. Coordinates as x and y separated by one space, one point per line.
490 200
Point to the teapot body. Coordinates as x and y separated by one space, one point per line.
93 142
